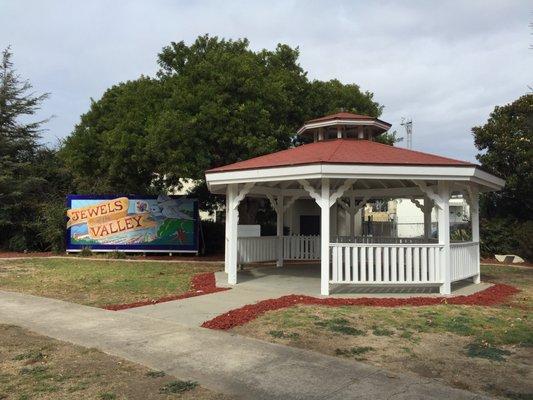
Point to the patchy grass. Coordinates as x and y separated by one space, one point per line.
340 325
356 351
284 335
483 349
178 387
68 372
98 282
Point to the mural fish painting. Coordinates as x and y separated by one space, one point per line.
170 208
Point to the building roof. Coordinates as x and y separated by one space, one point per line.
343 151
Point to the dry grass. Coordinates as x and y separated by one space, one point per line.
483 349
98 282
36 367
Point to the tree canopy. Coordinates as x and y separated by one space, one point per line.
505 142
213 102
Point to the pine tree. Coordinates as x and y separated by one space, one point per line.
19 185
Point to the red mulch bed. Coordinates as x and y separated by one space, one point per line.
201 284
493 295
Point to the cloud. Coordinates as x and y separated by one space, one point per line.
444 64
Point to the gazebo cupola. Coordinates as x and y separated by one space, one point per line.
343 125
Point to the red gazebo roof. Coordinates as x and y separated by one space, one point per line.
343 151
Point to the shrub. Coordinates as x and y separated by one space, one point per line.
496 237
17 243
506 236
52 225
119 255
86 252
524 237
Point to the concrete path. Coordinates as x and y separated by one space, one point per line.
263 283
232 364
194 311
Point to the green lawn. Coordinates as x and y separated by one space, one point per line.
98 282
484 349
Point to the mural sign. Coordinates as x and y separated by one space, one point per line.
131 223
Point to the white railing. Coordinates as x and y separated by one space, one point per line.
464 260
257 249
381 239
265 248
385 263
299 247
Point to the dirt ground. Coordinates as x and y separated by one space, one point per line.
482 349
37 367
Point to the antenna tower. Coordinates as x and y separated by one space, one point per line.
408 125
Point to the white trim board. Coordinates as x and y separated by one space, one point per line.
355 171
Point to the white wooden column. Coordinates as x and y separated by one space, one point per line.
474 219
324 237
233 198
232 220
428 208
444 236
279 229
334 220
352 214
325 200
227 234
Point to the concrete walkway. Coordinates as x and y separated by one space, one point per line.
263 283
220 361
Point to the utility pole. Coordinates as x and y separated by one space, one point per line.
408 125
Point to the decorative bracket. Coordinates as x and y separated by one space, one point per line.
429 192
289 203
426 207
418 204
312 191
343 204
360 205
273 202
340 191
242 194
352 208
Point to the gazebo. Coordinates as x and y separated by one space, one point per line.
343 165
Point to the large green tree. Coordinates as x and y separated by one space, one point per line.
212 102
33 180
505 142
20 187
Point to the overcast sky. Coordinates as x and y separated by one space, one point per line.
445 64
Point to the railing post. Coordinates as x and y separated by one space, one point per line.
444 237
